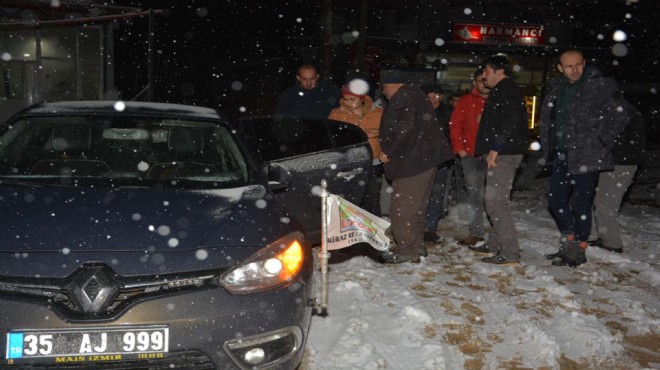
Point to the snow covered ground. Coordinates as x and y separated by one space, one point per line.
453 311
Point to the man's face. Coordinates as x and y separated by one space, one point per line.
308 78
492 76
390 89
435 99
571 65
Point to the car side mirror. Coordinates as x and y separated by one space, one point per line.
279 177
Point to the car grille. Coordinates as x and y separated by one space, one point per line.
189 360
95 291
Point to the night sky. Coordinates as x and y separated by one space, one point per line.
230 54
204 48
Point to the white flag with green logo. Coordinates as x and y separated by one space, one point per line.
348 224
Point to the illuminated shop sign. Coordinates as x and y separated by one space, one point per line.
498 33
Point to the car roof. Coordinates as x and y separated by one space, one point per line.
129 107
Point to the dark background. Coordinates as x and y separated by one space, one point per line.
238 55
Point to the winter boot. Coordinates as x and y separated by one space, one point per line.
575 255
563 248
431 236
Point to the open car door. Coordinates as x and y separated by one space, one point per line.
311 150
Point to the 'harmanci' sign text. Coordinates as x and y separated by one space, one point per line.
498 34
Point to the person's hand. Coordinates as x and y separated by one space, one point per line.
490 159
462 153
383 157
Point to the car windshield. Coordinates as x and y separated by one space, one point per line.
121 151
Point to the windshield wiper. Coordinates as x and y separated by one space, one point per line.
37 181
13 181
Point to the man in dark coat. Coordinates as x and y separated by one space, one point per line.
503 139
437 207
581 116
412 148
308 97
628 153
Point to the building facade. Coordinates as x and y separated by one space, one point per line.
57 51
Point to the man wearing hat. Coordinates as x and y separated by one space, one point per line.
357 108
412 147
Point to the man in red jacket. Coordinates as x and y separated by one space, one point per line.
463 128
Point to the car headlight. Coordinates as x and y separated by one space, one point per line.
275 265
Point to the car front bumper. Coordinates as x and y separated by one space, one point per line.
262 330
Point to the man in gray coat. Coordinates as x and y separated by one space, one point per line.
412 148
580 118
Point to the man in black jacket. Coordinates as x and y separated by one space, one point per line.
581 116
438 201
308 97
412 148
503 139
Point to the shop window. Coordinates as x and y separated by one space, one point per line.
61 50
18 46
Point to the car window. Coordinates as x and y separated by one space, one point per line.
282 137
122 150
344 134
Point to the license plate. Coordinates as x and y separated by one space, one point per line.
89 344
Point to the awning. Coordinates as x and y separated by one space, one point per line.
76 21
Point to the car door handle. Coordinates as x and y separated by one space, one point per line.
350 174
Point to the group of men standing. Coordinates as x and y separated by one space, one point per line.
582 119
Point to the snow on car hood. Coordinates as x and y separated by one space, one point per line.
134 229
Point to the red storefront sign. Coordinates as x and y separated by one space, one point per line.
498 33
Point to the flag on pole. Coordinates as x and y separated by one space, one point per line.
348 224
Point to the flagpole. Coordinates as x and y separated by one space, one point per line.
324 256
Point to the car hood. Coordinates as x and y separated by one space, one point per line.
52 230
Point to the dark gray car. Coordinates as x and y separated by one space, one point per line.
147 236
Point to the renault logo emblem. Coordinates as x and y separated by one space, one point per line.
92 288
